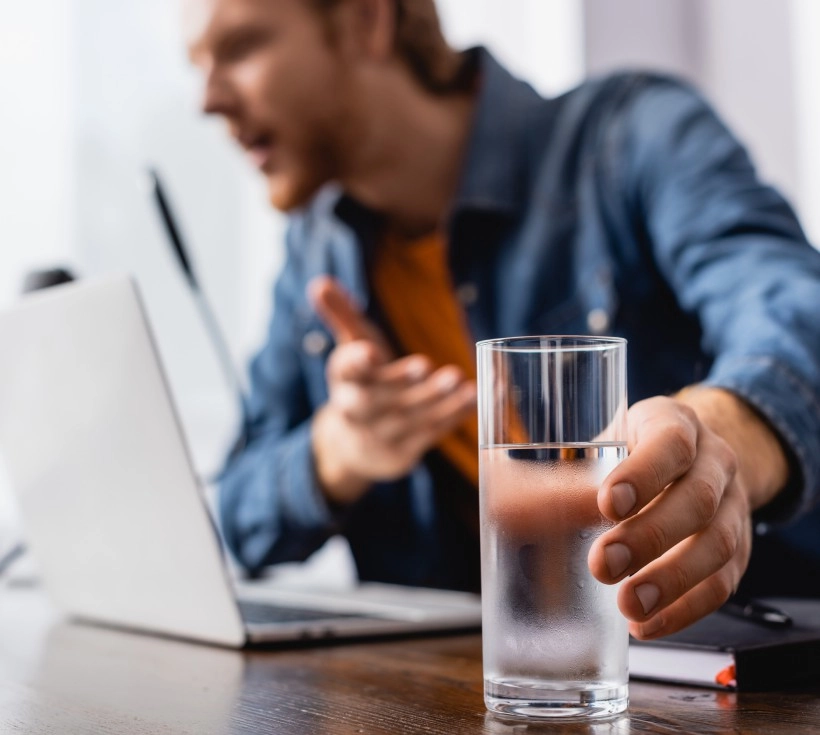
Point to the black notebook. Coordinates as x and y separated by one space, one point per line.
726 652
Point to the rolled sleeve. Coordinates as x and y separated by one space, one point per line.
271 506
790 405
733 253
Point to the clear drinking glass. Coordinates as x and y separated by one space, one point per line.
552 425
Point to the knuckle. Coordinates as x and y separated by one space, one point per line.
681 579
344 363
388 434
690 611
363 350
657 475
744 545
720 587
688 413
335 364
707 495
401 424
726 456
683 446
348 414
656 538
725 541
349 401
651 408
406 400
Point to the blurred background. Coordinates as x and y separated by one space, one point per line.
93 91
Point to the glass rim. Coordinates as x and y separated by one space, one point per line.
555 343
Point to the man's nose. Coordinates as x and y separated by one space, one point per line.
218 97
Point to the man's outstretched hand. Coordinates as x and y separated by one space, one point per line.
698 466
382 413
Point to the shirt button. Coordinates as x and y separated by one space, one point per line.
467 294
315 342
598 321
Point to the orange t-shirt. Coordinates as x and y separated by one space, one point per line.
412 284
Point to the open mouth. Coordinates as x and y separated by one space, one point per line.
259 148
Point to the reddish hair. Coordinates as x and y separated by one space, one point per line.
420 43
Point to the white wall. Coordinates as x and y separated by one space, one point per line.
36 157
756 60
642 34
537 39
36 126
748 69
806 66
136 103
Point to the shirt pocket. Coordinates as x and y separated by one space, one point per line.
314 343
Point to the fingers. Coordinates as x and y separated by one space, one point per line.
427 411
397 408
339 313
686 537
699 586
363 387
399 395
685 566
664 436
355 362
688 505
363 361
448 414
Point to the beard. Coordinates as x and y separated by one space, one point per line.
314 162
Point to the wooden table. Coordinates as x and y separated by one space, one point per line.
66 679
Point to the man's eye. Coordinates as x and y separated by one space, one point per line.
238 46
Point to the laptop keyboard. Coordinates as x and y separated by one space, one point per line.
263 613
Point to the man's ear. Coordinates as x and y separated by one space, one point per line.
367 27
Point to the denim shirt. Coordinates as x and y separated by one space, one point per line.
623 207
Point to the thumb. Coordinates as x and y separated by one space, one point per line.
341 315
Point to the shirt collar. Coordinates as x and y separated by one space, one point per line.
494 174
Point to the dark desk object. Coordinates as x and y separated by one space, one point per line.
36 280
62 678
741 650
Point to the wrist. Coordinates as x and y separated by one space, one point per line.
338 482
762 465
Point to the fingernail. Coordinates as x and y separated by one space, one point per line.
448 381
648 595
618 558
416 370
623 498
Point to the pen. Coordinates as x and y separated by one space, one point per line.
756 612
9 557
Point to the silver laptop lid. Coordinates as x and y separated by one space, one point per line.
96 457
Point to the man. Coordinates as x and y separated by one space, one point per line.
435 201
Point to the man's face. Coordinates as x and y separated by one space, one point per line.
283 89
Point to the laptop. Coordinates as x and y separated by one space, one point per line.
112 510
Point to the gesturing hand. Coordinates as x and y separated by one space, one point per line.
382 413
686 534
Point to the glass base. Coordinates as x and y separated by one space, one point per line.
534 700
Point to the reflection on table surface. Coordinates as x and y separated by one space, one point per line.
72 679
127 680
